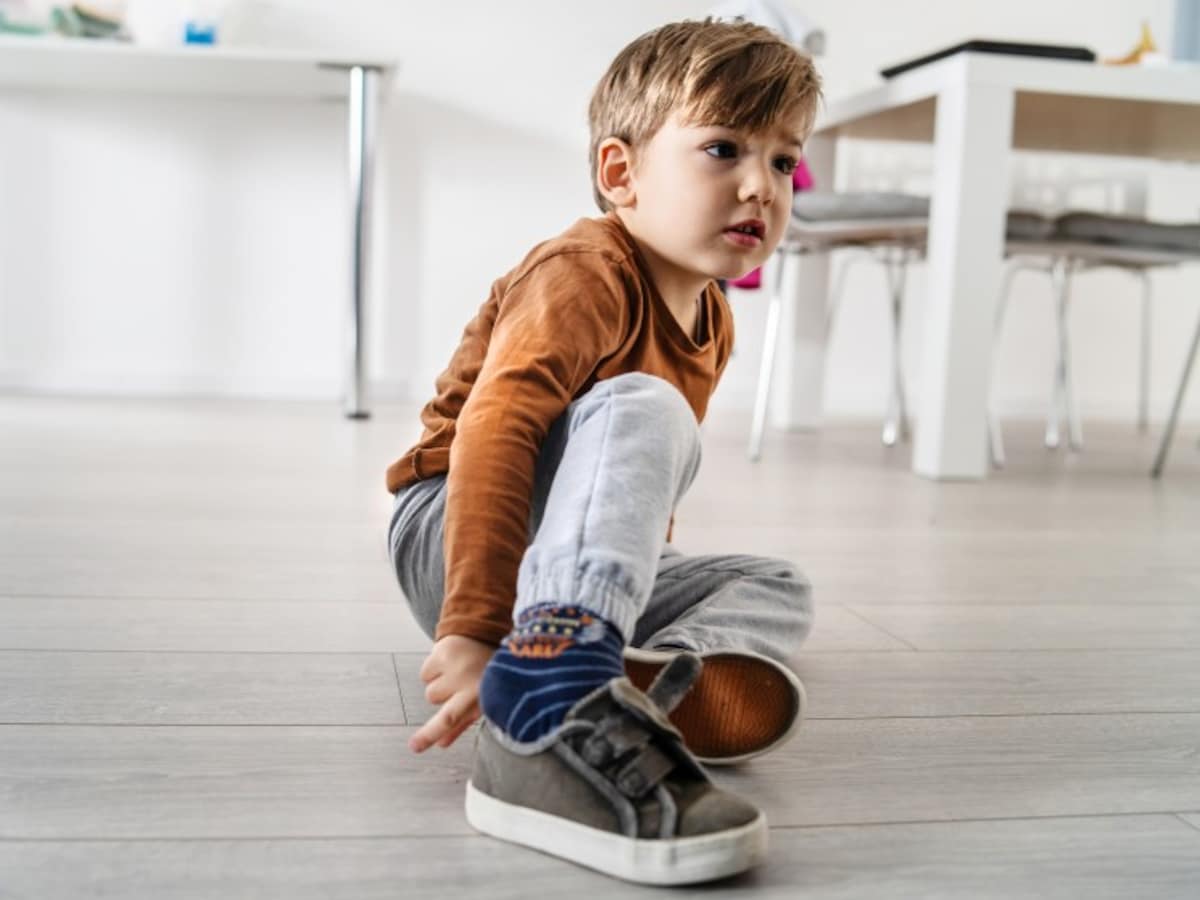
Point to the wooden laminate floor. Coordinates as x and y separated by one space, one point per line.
208 675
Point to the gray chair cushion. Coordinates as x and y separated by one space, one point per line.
1126 232
1023 225
849 206
878 208
829 213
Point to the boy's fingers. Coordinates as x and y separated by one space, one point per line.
427 735
468 719
428 670
435 691
443 721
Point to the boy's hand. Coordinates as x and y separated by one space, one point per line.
451 675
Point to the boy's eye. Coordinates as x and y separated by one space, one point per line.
722 150
786 165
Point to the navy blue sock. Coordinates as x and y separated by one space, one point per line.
555 656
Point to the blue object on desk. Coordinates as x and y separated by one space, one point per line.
1187 31
199 32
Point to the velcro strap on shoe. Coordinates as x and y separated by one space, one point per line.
619 720
614 737
642 707
674 681
642 773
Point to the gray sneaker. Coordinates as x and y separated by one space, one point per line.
614 789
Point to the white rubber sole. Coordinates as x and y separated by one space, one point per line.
639 654
673 861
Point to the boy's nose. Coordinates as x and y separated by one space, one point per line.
757 185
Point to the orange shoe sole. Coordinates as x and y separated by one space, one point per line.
741 706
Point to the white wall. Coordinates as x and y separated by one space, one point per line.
162 245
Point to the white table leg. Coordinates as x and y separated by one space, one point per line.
798 385
966 246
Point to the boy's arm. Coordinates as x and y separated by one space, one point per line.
553 329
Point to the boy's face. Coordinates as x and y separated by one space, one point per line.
709 201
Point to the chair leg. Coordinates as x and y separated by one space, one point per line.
1054 414
1143 419
833 307
995 433
895 426
767 365
1074 423
1160 458
1062 403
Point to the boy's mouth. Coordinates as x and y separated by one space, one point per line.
749 233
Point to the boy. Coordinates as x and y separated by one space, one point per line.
534 512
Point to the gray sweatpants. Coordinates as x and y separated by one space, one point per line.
608 478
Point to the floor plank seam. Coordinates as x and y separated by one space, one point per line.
1183 817
210 839
260 725
811 826
1026 715
174 652
156 598
363 653
1049 817
1002 651
1192 651
803 652
1114 606
1118 713
399 689
894 637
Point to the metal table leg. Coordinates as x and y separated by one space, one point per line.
361 119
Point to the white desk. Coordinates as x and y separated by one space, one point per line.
974 107
58 64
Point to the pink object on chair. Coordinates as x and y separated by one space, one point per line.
749 281
802 180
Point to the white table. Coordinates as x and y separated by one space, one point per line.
974 107
62 64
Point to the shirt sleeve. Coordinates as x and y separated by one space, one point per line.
553 329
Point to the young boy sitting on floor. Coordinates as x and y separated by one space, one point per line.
534 512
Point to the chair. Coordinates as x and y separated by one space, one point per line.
892 227
1124 195
1080 241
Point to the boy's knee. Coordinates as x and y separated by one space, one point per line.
797 587
795 594
657 399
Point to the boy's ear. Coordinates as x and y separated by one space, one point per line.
614 172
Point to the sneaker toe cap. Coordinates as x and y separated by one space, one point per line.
713 811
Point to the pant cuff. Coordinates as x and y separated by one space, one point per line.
596 587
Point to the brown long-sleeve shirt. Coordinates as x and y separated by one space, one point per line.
579 308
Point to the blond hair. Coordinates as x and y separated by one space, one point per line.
739 75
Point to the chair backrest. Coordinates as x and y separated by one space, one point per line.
1048 185
1056 186
880 166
